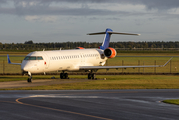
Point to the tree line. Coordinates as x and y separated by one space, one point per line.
30 45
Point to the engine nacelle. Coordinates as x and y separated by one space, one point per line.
110 52
79 48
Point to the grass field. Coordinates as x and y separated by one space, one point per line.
111 82
13 53
7 78
172 67
173 101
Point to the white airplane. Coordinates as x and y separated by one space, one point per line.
79 59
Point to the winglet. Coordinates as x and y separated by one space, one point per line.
167 62
8 59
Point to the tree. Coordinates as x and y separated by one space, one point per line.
29 42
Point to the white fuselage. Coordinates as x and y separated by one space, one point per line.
62 60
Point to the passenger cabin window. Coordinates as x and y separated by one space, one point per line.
33 58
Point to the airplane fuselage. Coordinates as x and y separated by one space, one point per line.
62 60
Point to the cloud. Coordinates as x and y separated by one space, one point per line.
81 7
41 18
42 7
150 4
160 4
3 1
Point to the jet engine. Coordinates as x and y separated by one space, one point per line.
110 52
79 48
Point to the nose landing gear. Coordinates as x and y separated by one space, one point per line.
29 80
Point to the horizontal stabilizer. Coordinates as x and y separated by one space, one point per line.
122 33
96 33
110 32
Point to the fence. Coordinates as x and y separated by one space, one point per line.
171 67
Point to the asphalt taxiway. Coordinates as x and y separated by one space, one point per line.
88 104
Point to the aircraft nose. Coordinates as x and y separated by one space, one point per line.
25 68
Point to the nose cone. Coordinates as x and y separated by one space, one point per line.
25 66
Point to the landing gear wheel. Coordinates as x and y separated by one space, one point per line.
89 76
29 80
61 75
64 76
92 76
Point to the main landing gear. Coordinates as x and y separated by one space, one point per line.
91 76
64 75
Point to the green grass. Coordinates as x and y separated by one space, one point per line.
11 78
112 82
15 52
173 101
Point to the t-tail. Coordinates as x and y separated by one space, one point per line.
107 37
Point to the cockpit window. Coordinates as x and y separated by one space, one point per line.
26 58
39 58
33 58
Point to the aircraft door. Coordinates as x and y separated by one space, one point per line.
46 61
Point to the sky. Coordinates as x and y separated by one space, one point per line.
44 21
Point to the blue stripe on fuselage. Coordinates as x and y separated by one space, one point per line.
106 40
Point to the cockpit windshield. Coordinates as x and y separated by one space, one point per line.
33 58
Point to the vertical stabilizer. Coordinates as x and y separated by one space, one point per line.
106 39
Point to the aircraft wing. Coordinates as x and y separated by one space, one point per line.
9 61
116 67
